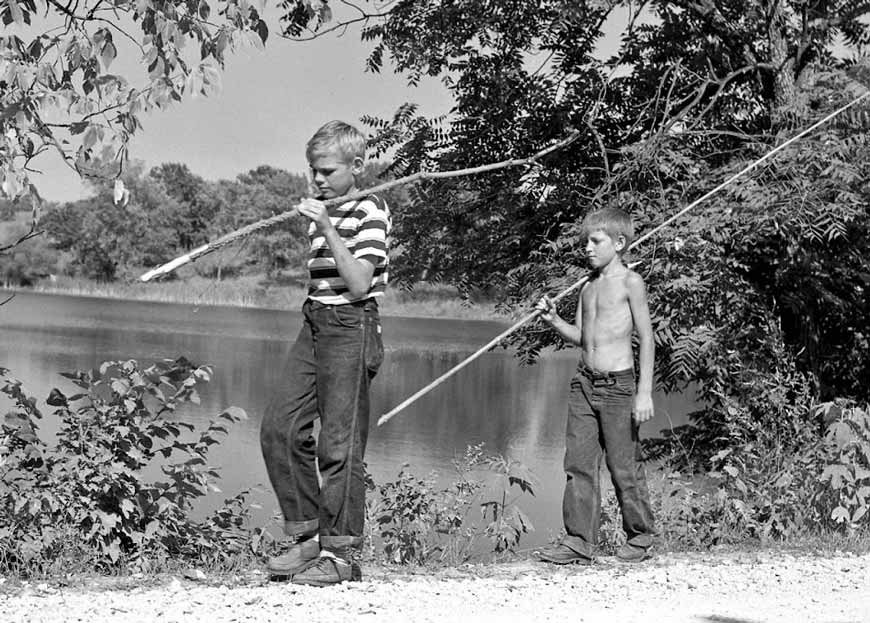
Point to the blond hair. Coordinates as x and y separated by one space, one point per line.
613 222
337 136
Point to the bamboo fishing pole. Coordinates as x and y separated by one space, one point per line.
534 314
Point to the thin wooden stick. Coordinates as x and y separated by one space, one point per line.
410 179
386 417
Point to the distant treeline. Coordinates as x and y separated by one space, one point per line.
170 211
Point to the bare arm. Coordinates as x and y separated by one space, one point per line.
572 333
357 274
637 301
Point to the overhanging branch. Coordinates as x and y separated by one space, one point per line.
410 179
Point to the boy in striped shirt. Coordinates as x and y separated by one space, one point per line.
335 356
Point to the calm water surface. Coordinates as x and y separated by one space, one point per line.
515 410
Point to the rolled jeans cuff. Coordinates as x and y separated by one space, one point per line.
297 529
333 543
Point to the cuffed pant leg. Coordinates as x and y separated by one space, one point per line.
287 441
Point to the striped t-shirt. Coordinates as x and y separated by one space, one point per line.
364 226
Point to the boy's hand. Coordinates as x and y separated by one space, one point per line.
317 212
643 408
547 309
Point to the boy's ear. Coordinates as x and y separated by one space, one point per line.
357 165
619 243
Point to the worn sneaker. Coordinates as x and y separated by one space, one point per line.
328 570
633 553
295 559
561 554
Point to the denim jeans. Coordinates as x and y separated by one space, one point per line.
600 421
336 355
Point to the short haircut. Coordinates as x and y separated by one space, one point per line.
613 222
337 136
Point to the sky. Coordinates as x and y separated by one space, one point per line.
269 105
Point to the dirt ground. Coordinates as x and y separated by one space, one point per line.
698 588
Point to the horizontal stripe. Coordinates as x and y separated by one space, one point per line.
331 273
319 293
343 300
374 245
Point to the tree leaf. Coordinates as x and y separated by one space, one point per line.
108 54
16 12
262 30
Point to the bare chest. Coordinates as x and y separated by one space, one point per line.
605 297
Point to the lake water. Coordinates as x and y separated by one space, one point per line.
518 411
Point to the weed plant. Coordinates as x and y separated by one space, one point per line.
414 521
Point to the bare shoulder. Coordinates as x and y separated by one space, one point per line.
633 281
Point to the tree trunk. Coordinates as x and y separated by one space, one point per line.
785 99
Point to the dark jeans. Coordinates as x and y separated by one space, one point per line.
337 353
600 419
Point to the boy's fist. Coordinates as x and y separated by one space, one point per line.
316 211
547 308
643 408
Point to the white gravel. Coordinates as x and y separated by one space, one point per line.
699 588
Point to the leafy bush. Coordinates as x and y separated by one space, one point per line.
816 482
418 522
842 494
88 496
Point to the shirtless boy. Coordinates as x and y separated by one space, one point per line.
606 404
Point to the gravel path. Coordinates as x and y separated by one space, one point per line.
674 588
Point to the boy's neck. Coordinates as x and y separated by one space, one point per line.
353 189
612 268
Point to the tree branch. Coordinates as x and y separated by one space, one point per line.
410 179
344 24
31 234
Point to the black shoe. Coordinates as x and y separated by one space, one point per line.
633 553
561 554
328 570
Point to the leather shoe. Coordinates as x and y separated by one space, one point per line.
328 570
561 554
295 559
633 553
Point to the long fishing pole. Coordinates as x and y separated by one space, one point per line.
534 314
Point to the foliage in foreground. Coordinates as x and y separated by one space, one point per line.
416 521
89 502
808 478
87 498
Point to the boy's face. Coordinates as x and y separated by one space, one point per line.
333 174
601 248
